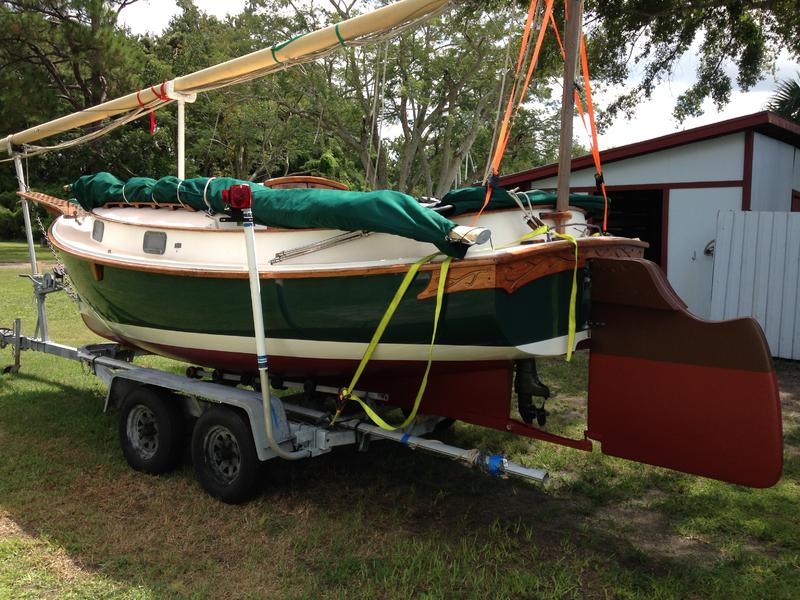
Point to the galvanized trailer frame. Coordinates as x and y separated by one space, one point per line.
298 427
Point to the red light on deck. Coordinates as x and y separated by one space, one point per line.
238 196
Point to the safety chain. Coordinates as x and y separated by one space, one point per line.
60 267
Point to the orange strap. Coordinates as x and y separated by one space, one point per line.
548 12
595 147
505 127
558 37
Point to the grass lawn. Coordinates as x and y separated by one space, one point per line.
76 522
17 252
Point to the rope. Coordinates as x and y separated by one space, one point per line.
347 393
497 118
123 193
159 96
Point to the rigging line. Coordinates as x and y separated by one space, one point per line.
497 116
373 116
380 118
35 150
505 127
373 132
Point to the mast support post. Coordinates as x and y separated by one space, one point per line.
182 98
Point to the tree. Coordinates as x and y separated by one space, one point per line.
74 43
438 101
786 100
742 36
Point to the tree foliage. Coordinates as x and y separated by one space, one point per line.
736 42
786 100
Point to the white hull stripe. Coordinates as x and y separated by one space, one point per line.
334 350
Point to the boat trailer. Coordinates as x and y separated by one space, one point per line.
229 440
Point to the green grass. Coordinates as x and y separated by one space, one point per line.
76 522
17 252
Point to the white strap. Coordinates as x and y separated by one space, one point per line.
123 193
178 193
205 189
153 200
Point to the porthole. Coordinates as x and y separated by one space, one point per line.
97 230
155 242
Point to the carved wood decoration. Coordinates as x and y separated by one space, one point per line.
512 270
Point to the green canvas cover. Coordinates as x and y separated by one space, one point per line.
471 199
383 211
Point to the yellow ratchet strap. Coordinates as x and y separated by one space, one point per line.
347 394
572 297
527 236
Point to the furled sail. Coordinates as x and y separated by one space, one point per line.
384 22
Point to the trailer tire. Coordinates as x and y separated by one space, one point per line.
151 430
224 455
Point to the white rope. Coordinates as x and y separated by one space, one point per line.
205 189
123 193
153 200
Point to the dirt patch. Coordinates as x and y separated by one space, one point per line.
26 266
54 560
649 531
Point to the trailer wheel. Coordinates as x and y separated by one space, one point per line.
224 455
150 430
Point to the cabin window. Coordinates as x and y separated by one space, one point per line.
795 201
97 231
155 242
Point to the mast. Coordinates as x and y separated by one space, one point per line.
256 63
572 34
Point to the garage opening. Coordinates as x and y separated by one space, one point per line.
638 214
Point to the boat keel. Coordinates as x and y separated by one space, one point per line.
669 389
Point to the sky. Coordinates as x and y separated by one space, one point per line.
653 117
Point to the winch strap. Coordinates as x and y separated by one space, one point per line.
347 392
595 146
527 236
572 324
505 126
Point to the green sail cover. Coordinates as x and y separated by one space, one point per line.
383 211
471 199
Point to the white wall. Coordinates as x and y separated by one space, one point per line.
756 274
774 170
692 224
718 159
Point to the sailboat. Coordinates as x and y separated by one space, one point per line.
476 290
